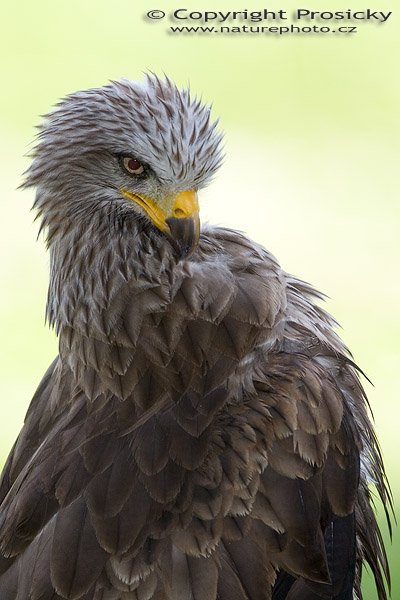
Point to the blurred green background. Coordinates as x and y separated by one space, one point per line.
311 170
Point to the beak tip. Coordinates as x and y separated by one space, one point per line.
183 235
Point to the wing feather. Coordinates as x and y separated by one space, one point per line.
204 444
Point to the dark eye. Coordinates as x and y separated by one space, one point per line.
132 165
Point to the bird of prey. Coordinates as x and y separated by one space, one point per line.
203 433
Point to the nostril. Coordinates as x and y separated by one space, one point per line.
179 213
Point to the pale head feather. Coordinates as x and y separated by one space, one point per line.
152 120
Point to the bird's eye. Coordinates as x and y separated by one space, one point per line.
132 165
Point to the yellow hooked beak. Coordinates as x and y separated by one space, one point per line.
178 218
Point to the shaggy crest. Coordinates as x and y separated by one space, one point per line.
152 120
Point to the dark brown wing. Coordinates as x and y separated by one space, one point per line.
76 501
226 449
37 422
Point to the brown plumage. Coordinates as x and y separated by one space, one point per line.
203 433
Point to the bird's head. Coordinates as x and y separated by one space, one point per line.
128 151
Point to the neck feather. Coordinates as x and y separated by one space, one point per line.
94 270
